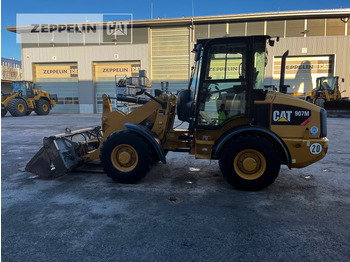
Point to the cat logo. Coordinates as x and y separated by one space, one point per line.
282 116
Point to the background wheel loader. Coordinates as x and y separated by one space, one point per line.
327 95
26 99
263 130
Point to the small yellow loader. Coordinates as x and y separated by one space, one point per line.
261 130
25 99
327 94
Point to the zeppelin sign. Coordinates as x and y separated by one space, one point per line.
112 70
110 27
56 71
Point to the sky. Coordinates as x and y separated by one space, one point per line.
141 9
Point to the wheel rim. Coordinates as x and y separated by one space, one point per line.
249 164
20 108
45 107
124 157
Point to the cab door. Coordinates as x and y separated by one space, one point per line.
223 87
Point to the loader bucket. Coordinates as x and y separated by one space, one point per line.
338 108
60 154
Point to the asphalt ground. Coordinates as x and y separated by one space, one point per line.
181 211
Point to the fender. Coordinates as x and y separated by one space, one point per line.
249 129
45 98
147 134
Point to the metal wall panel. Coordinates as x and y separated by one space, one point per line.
170 54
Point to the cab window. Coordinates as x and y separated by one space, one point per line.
223 93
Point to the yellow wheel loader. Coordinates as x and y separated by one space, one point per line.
26 99
327 95
262 129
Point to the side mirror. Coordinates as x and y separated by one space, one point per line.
198 52
185 104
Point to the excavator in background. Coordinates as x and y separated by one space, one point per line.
25 99
327 95
259 131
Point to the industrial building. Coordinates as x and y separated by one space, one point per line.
79 70
11 70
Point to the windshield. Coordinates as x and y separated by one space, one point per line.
260 61
25 87
194 81
19 86
327 83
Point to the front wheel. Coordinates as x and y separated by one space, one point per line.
320 102
125 157
250 163
42 107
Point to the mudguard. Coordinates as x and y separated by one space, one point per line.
249 129
147 134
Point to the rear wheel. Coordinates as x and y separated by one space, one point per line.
18 107
125 157
3 112
250 163
42 107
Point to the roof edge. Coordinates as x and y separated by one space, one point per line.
343 12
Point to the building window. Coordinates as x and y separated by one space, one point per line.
255 28
29 40
201 32
45 39
60 38
217 30
295 28
75 39
335 27
275 28
107 39
140 35
316 27
236 29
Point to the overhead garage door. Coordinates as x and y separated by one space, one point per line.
170 57
302 71
105 75
60 79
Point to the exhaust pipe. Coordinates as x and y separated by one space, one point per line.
283 87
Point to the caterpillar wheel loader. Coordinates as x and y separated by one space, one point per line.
262 129
25 99
327 95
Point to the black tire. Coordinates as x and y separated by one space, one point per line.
250 162
18 107
28 113
42 107
138 157
320 102
3 112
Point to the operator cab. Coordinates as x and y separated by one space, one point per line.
327 83
227 77
24 87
